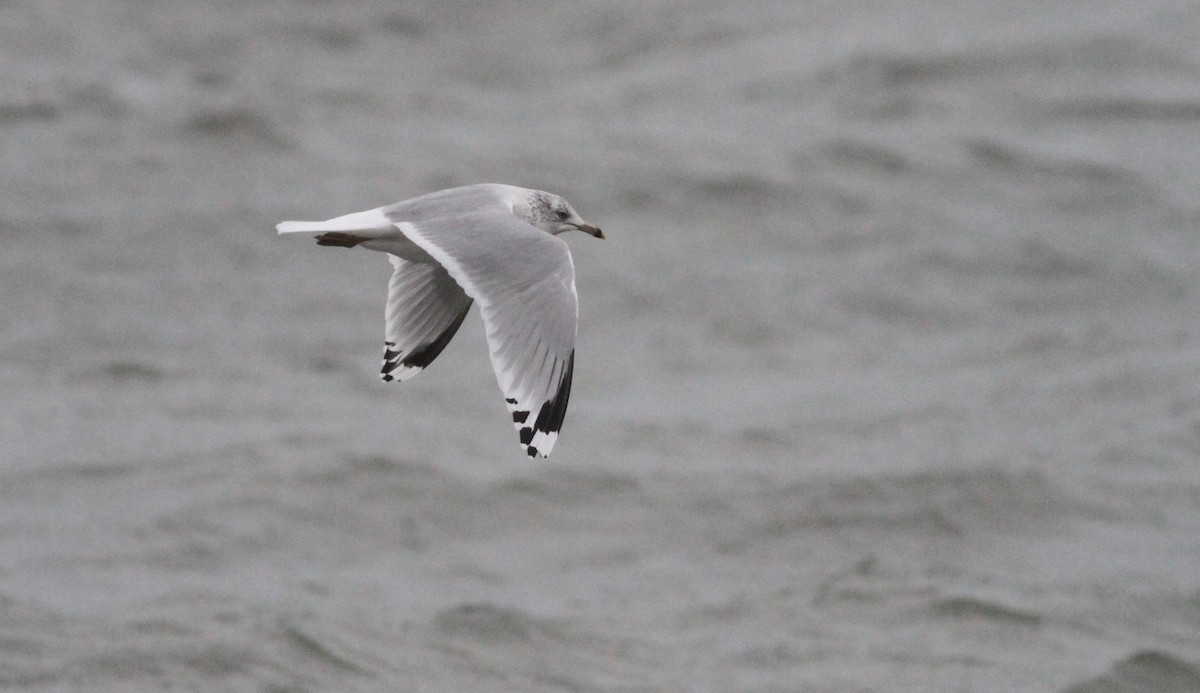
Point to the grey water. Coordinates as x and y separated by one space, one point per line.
887 375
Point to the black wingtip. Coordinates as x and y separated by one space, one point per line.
550 416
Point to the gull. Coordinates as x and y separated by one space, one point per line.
496 244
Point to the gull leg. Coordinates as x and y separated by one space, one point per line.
338 239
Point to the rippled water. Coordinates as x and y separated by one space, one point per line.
887 375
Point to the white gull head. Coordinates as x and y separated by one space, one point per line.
552 214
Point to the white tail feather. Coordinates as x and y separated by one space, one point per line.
371 223
300 227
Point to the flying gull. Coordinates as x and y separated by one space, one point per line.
491 243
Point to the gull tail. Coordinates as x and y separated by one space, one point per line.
301 227
370 224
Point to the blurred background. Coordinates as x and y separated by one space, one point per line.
887 375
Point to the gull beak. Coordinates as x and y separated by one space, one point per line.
589 229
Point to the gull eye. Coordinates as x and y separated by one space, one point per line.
564 214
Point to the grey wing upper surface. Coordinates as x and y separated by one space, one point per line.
524 280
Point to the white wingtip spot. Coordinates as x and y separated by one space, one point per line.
542 443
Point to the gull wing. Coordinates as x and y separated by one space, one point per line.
524 281
425 306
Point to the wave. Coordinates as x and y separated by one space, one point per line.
977 609
951 504
1147 671
495 624
1124 108
239 122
